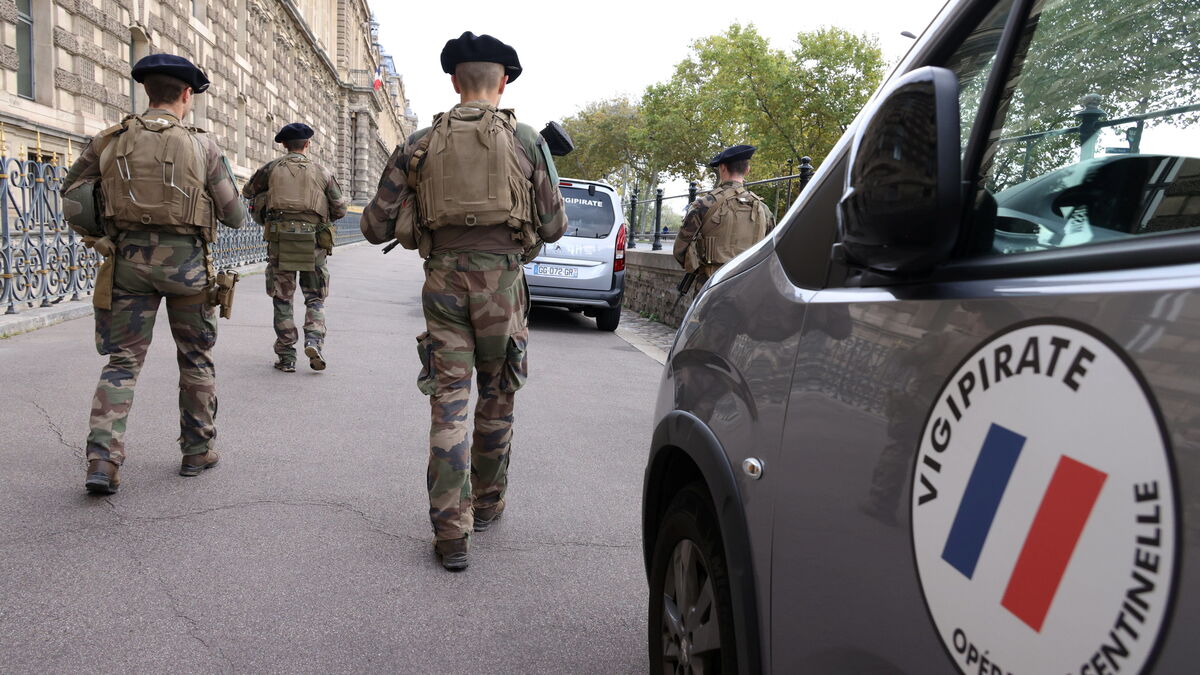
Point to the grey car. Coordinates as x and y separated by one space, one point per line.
584 271
946 417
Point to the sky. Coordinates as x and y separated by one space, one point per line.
574 53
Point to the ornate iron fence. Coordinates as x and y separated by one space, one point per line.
43 262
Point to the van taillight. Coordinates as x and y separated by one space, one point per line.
619 258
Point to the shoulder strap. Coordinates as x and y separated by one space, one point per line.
418 155
117 128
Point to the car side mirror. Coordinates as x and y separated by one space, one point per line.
900 212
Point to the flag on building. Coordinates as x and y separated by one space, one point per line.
378 77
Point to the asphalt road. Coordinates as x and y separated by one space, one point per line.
308 548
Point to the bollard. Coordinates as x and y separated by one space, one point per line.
633 204
657 245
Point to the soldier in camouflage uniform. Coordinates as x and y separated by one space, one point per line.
475 299
297 201
723 222
155 234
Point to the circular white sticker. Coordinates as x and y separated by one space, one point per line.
1043 508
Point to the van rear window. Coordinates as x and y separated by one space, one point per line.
588 216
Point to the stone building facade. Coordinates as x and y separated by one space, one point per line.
64 76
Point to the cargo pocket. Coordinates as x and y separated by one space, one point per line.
516 365
325 239
427 379
297 251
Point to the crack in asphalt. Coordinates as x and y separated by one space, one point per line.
338 506
77 450
195 629
126 519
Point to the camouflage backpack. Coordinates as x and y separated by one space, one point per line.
296 185
465 172
154 176
735 223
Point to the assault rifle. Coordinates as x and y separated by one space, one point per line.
689 278
685 285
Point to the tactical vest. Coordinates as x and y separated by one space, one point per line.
465 172
733 224
296 185
153 174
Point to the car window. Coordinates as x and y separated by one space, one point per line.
588 216
972 63
1095 139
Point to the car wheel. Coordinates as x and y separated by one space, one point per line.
691 607
608 319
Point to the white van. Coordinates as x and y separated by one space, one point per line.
584 271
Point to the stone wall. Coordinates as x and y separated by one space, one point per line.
270 61
651 279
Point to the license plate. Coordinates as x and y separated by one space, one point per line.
555 271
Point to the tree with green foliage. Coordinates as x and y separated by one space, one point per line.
609 139
735 88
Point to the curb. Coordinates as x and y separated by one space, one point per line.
43 317
636 341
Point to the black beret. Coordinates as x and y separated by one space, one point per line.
174 66
472 47
296 131
734 153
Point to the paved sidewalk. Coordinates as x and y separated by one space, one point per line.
650 337
308 548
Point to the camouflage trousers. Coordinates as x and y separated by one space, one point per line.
475 308
281 286
149 267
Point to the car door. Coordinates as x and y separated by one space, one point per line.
989 471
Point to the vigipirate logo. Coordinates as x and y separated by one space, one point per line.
1043 508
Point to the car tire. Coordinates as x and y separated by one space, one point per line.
691 607
608 319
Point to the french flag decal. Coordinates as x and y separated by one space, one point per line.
1051 540
1043 510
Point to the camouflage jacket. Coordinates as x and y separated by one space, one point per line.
697 211
333 192
221 188
391 214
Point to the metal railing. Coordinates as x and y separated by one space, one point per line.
1091 121
43 261
656 235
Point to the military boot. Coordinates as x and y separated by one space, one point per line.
287 365
316 360
484 517
452 553
192 465
102 477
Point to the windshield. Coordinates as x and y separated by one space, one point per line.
588 216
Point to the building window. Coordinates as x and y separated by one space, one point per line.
24 49
200 9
